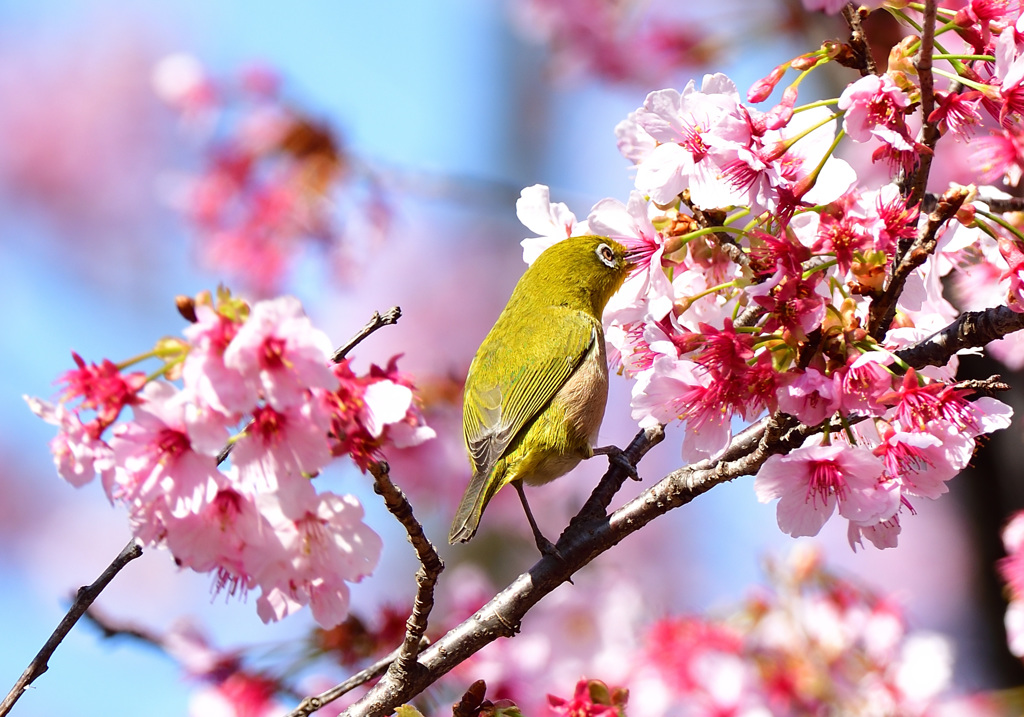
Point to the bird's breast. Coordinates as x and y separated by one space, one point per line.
584 395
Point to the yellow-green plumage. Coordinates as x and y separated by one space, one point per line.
536 390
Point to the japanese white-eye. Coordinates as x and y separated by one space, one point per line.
537 387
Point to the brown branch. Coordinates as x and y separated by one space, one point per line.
83 599
378 668
858 41
883 308
391 316
929 135
426 577
1000 205
615 476
401 664
970 330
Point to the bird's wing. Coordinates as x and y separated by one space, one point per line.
532 363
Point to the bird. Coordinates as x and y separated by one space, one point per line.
536 389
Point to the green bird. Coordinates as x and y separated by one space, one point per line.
537 387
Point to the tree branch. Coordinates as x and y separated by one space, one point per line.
591 533
391 316
929 135
970 330
858 41
426 577
883 308
83 599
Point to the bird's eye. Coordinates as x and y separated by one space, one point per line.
606 255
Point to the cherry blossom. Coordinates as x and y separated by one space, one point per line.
811 481
279 354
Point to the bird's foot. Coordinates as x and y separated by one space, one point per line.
617 456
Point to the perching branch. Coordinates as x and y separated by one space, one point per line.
591 533
83 599
378 668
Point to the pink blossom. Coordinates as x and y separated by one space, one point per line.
156 461
883 534
810 482
874 107
359 426
214 384
317 556
279 451
180 81
692 128
101 388
1014 257
241 694
592 698
633 141
77 453
677 389
809 395
227 536
919 403
999 156
279 354
957 112
860 384
552 222
923 462
1009 70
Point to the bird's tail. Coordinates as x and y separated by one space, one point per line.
481 488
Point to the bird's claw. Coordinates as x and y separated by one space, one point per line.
617 456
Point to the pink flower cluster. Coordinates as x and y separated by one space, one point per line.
613 40
759 259
809 643
1012 570
274 181
258 382
813 644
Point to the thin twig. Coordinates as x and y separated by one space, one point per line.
111 629
311 704
858 41
883 308
401 664
426 577
391 316
929 135
83 599
1001 205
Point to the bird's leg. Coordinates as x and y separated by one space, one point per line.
545 546
617 456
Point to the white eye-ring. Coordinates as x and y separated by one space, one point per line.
606 255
